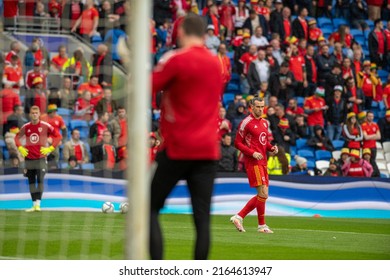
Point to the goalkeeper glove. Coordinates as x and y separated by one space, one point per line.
23 151
47 150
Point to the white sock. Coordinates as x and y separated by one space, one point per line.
38 202
34 203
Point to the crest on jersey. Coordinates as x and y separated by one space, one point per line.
34 138
40 129
263 138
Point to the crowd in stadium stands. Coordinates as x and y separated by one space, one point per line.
322 68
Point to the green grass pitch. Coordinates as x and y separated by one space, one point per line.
80 235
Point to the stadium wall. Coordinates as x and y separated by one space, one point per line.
289 195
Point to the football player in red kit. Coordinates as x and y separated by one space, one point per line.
35 151
191 81
252 141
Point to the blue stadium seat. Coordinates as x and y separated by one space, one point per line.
63 165
327 31
228 98
301 143
338 144
300 101
235 78
96 39
311 164
232 87
339 21
293 151
307 154
370 24
383 74
324 22
292 162
323 155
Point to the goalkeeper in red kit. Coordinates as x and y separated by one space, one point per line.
252 141
35 151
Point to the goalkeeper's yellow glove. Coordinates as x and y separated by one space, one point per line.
23 151
47 150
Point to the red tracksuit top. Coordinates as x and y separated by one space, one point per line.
191 82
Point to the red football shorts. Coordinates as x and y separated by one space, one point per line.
257 175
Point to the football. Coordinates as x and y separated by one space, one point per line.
108 207
124 207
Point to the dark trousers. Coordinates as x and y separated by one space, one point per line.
36 170
199 175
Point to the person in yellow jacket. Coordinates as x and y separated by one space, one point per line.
78 65
279 164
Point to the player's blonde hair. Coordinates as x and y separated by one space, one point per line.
35 108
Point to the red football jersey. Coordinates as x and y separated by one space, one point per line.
31 75
191 82
370 129
252 136
36 137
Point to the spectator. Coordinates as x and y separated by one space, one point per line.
239 115
374 9
384 126
311 70
94 88
78 67
263 92
55 9
254 20
352 132
300 27
293 109
371 134
356 167
107 19
286 29
104 153
347 70
243 67
161 11
102 65
283 83
333 79
73 164
301 166
213 19
280 114
283 135
386 94
84 109
35 73
386 32
279 164
362 117
370 84
338 52
96 130
36 96
212 41
225 64
320 141
314 107
227 12
224 125
357 65
277 51
276 18
13 75
325 62
242 13
302 128
367 157
336 114
154 145
314 32
342 9
67 94
358 15
377 44
75 148
228 161
259 71
87 22
16 120
333 169
59 60
36 52
258 39
343 156
231 108
40 11
11 9
242 49
297 67
107 104
15 48
343 36
355 97
71 13
121 122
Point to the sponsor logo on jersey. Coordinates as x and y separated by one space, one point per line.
34 138
263 138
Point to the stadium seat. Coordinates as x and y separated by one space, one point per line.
382 166
384 175
300 101
327 31
301 143
63 165
370 24
387 157
388 166
310 164
386 146
324 22
339 21
356 33
235 78
292 162
232 87
323 155
380 155
307 154
336 154
82 126
293 151
338 144
383 74
228 98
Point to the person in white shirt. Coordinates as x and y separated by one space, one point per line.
212 42
258 39
259 71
